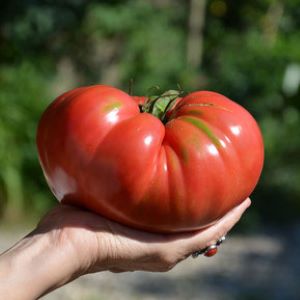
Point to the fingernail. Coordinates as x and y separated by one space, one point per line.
248 202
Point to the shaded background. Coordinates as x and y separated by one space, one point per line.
247 50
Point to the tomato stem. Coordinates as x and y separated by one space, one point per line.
160 105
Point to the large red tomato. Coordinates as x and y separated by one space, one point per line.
178 170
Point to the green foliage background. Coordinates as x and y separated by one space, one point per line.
251 53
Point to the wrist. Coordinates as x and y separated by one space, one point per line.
33 267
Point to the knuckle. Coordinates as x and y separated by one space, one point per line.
168 260
166 267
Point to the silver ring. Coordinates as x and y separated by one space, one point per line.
221 240
209 248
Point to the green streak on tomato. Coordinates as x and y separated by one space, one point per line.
111 106
184 154
194 112
203 127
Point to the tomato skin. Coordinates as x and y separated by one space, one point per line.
99 152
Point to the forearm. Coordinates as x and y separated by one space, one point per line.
33 267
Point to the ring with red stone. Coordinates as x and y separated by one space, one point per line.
210 250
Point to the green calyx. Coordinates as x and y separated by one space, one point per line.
161 104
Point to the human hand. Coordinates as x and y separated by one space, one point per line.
101 244
70 242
